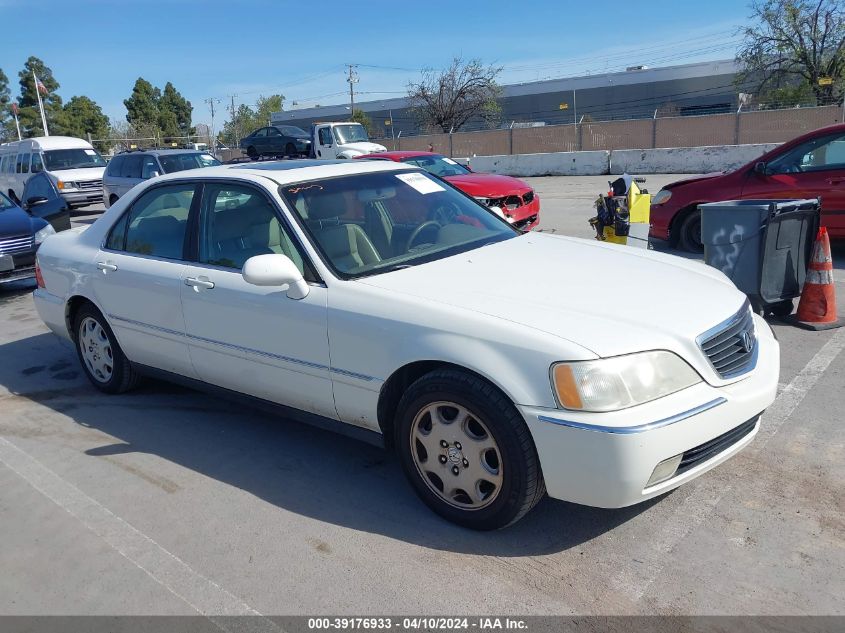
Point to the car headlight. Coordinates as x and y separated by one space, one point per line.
661 196
42 234
610 384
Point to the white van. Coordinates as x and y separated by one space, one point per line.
74 166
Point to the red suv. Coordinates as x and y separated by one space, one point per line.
516 199
810 166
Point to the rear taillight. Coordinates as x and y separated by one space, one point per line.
38 278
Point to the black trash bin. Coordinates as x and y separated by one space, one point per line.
764 246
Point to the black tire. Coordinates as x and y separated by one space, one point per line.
690 234
252 153
290 150
522 483
123 376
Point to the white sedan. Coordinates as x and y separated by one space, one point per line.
379 300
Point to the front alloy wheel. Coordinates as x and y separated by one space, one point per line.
456 455
466 450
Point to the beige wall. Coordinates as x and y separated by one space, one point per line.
765 126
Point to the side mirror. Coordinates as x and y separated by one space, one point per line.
275 270
34 201
761 168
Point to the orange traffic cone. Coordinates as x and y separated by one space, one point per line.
817 307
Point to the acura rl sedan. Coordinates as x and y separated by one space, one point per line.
374 298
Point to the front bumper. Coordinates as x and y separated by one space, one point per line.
526 216
81 198
606 459
22 267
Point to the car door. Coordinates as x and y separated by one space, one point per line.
139 277
275 141
42 199
815 168
253 339
325 143
259 141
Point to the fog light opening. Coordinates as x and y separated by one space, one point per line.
664 470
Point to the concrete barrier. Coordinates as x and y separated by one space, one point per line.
551 164
685 160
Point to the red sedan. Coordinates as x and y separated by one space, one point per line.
516 199
810 166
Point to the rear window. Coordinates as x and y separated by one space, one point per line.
181 162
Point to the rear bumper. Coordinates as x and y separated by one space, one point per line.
607 459
51 310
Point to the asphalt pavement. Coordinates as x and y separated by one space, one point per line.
170 501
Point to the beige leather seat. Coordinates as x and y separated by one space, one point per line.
346 245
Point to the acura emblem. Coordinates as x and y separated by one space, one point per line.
747 342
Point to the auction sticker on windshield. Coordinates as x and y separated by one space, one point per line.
421 183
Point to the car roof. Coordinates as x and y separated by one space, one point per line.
287 171
163 152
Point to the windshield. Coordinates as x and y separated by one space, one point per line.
181 162
371 223
350 133
437 165
5 203
58 159
291 130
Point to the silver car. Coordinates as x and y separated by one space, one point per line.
127 169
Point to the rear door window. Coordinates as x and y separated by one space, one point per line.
158 221
131 167
23 164
115 165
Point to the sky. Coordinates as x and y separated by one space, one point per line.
217 49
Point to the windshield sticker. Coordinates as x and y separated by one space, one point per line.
90 152
449 160
421 183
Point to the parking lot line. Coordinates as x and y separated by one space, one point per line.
709 491
200 593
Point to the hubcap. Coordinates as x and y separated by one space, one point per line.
96 349
456 455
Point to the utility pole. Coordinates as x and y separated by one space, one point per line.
352 79
234 141
211 101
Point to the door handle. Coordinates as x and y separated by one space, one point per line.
835 181
197 283
106 267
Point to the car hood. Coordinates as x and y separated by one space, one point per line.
15 222
85 173
606 298
365 147
488 185
686 181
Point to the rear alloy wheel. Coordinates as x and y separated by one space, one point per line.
467 451
252 153
104 363
690 234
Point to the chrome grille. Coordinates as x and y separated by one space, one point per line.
90 184
16 244
731 346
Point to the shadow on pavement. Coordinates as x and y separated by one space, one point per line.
298 468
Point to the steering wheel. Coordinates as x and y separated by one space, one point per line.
425 226
445 213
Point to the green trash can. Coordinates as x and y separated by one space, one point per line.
763 246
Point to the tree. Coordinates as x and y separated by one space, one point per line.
239 125
791 43
359 116
174 113
142 105
447 99
28 114
7 124
82 116
266 106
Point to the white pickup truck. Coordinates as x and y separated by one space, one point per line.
341 140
